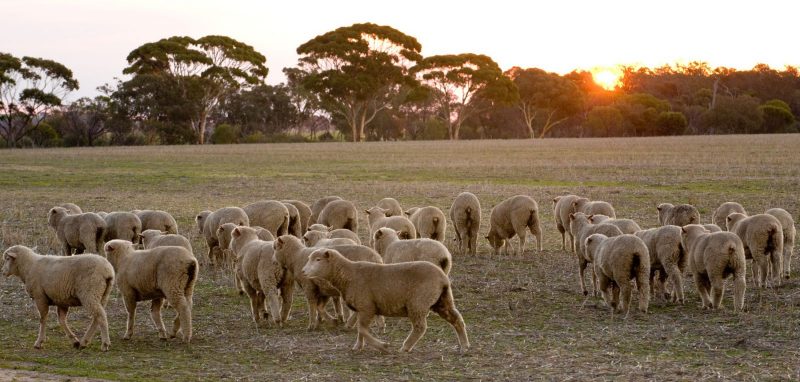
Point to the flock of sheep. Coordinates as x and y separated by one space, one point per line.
402 272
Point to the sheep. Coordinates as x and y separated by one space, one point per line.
667 256
270 214
713 257
393 250
679 215
291 255
71 208
81 232
318 206
581 228
762 238
304 213
593 207
465 213
155 274
295 227
152 238
789 234
376 217
721 213
212 222
562 208
339 214
627 226
200 219
395 290
392 207
429 222
617 261
260 276
514 216
712 227
224 234
312 238
344 234
318 227
103 214
122 225
64 282
157 219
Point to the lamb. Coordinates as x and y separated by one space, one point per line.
465 213
155 274
627 226
261 277
593 207
270 214
395 290
152 238
81 232
322 239
393 250
200 219
376 217
514 216
713 257
295 227
789 234
581 227
762 238
617 261
304 213
318 206
71 208
157 219
213 221
339 214
392 206
429 222
64 282
667 256
721 213
680 215
318 227
562 208
122 225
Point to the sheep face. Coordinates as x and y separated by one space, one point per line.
9 263
201 220
732 219
319 264
495 241
312 237
55 215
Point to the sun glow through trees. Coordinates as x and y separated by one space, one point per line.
607 78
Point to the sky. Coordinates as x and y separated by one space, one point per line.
93 37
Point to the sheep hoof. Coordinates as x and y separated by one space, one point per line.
37 346
105 347
76 344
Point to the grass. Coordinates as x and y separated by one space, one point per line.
525 315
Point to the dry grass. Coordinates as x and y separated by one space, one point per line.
525 315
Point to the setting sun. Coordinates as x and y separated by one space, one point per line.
607 78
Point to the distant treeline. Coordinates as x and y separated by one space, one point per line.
370 82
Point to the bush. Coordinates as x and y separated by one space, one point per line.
257 137
44 135
671 123
286 138
225 134
326 137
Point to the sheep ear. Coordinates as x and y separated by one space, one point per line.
571 216
109 247
236 232
11 255
366 212
378 234
326 255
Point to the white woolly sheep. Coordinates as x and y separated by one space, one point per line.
155 274
392 206
157 219
64 282
617 261
429 222
260 276
152 238
581 227
318 227
103 214
213 221
563 206
342 233
304 213
680 215
789 234
81 232
318 206
410 290
393 250
340 214
295 227
376 217
270 214
713 257
627 226
122 225
762 238
71 208
200 219
720 215
712 227
465 213
312 238
667 257
514 216
593 207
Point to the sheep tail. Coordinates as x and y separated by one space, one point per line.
191 272
772 242
107 291
349 225
435 234
444 263
531 218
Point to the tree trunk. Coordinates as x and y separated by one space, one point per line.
456 129
202 129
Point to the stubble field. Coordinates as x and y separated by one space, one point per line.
525 314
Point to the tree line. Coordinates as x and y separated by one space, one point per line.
370 82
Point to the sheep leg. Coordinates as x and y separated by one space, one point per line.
763 269
62 320
604 283
67 249
183 321
662 284
254 306
287 296
703 288
777 267
419 325
625 297
364 320
352 321
717 291
41 305
272 300
155 315
522 237
98 319
787 258
446 309
563 233
312 310
105 339
582 263
130 306
676 278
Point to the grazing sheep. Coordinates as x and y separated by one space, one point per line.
200 219
593 207
429 222
304 213
762 237
71 208
393 250
155 274
712 227
213 221
64 282
376 217
627 226
667 256
339 214
563 206
465 213
81 232
713 257
392 206
311 238
581 227
270 214
318 227
294 227
514 216
617 261
721 213
318 206
157 219
394 290
260 276
789 234
152 238
122 225
679 215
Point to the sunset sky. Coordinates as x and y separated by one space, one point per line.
93 37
